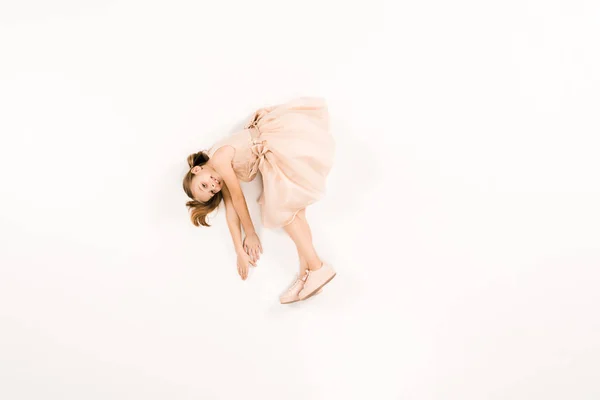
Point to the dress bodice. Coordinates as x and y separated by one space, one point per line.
249 151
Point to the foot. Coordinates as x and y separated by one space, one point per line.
315 280
291 295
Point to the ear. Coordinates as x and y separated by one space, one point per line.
196 169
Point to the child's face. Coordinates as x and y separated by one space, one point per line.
205 183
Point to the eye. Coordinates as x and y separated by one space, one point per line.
204 185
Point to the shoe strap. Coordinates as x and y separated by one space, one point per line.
305 277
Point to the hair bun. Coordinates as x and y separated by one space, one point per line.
197 159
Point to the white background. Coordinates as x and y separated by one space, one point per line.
462 213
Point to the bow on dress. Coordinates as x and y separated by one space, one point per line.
259 147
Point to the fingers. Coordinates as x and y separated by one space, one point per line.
242 270
252 254
253 251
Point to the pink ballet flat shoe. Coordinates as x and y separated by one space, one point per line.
291 295
315 280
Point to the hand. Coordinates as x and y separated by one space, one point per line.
253 247
243 260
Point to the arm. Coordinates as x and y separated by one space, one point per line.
222 164
233 221
238 201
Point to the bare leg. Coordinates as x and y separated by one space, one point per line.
299 232
303 265
305 285
302 214
303 262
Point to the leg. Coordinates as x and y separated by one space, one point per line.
302 214
300 233
303 262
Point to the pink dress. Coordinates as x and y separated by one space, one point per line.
290 144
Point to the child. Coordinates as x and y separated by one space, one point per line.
291 146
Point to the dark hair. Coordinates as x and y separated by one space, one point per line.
198 209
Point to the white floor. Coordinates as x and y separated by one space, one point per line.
462 213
